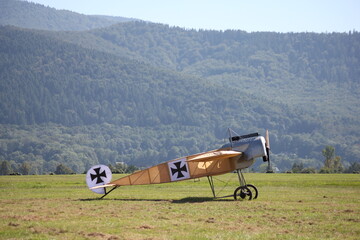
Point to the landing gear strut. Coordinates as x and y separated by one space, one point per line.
245 191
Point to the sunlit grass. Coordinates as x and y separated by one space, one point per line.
289 206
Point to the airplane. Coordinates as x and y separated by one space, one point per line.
240 153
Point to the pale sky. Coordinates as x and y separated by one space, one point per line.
248 15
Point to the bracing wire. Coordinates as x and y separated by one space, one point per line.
226 183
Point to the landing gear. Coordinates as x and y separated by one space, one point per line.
245 191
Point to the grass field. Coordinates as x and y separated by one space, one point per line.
289 206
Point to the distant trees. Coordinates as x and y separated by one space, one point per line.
353 168
13 168
5 168
122 167
25 168
63 169
299 168
332 163
29 168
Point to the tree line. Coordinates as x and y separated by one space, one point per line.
332 164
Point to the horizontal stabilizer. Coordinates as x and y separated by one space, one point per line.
212 156
103 186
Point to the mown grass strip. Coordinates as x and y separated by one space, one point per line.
289 206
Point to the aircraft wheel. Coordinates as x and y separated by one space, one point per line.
242 192
252 187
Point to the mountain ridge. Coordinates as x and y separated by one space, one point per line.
37 16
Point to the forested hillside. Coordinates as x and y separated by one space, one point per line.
305 70
47 81
144 93
31 15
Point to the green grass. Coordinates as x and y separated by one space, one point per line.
289 206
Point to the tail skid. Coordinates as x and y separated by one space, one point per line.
106 193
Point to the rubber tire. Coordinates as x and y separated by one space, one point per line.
242 192
255 189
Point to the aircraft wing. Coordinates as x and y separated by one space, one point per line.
213 156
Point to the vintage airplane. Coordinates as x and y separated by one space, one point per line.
238 154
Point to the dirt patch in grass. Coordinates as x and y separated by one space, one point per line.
46 230
11 224
98 235
145 227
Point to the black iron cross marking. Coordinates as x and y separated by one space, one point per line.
98 175
179 170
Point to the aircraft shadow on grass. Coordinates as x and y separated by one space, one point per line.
183 200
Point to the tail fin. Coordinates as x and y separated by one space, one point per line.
97 176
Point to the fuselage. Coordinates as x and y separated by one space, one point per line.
240 153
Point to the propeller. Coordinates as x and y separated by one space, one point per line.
267 146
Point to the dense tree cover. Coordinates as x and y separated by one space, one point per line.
144 93
122 167
32 15
313 73
43 147
63 169
211 53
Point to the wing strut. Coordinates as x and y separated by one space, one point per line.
211 182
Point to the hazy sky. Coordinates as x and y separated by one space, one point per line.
248 15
